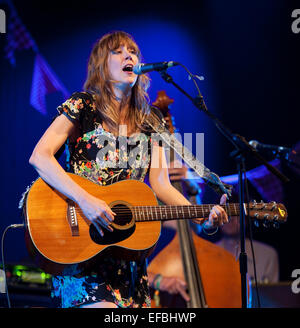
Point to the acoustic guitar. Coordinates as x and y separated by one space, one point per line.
61 238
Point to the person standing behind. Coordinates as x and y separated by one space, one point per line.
266 257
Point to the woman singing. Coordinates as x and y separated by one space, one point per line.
114 103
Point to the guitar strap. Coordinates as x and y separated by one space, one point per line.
209 177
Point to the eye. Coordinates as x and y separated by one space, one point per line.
117 51
133 51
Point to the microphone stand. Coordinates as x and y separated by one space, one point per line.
242 148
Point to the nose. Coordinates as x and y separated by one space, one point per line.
127 55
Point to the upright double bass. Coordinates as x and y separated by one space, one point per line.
211 273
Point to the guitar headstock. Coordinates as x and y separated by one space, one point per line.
268 212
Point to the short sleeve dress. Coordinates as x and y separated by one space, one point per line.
124 283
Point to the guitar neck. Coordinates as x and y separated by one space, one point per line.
171 212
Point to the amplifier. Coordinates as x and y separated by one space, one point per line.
275 295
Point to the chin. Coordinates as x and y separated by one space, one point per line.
131 82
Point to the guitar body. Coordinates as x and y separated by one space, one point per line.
62 240
60 247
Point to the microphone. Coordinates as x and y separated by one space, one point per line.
264 148
144 68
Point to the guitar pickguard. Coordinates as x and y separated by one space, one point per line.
110 238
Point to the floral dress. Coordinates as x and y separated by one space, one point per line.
99 156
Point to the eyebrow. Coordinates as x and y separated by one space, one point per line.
131 47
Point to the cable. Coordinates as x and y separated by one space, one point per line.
251 238
13 226
193 76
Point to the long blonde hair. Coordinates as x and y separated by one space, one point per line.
98 82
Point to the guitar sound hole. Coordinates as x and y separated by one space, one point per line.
123 218
124 214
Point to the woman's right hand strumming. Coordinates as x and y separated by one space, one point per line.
97 212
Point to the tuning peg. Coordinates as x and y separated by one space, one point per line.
252 204
256 220
256 223
276 224
274 206
266 223
263 204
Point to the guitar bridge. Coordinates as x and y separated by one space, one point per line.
72 218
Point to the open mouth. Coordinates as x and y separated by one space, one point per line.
128 68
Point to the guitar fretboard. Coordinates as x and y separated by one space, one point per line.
171 212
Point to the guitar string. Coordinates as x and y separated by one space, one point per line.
197 207
167 209
146 213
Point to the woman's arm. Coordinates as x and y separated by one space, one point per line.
160 183
43 160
